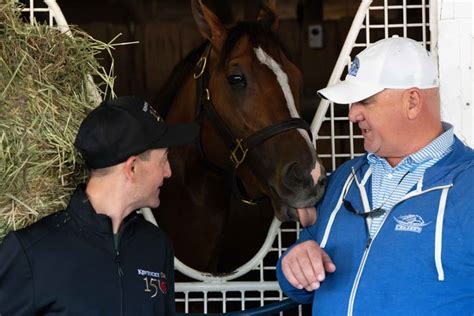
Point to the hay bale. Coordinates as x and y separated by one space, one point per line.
43 99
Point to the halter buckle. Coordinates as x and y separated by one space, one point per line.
238 153
200 67
248 202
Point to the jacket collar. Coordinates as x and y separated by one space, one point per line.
84 215
445 170
442 173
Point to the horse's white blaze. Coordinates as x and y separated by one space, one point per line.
282 79
316 172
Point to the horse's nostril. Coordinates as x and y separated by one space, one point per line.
294 173
322 180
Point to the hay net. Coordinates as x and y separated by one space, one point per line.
43 99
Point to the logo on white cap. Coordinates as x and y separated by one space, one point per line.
354 67
391 63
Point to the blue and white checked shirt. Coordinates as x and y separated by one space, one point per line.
387 189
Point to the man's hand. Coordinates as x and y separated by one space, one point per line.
306 264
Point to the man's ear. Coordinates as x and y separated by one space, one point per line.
129 168
412 99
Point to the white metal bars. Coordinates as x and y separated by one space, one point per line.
56 19
374 20
33 10
256 288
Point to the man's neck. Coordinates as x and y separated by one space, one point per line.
426 136
107 199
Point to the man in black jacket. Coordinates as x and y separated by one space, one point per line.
98 257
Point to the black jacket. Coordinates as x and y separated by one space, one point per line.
67 264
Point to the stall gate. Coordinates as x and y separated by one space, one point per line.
254 284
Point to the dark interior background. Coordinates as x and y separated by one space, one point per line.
167 32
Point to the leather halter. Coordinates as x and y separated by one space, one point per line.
238 147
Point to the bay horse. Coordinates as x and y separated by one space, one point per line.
254 158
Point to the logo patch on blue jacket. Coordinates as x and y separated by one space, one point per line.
410 223
354 67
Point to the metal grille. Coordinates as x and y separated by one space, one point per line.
38 10
256 288
45 10
337 141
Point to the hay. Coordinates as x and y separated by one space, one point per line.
43 99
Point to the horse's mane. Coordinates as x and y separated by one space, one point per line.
259 33
180 72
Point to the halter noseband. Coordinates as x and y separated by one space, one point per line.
238 147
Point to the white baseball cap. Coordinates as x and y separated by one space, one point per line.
391 63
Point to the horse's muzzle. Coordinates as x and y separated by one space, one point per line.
299 187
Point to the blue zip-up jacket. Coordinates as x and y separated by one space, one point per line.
421 262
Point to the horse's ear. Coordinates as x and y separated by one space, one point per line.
208 24
268 15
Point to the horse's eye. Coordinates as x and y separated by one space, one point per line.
237 81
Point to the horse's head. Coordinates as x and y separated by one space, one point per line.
254 90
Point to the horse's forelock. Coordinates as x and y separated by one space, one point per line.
259 34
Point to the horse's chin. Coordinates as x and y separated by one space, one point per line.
286 210
287 213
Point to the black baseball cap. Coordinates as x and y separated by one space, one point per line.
127 126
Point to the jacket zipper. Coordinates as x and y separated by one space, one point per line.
358 277
355 285
120 274
119 266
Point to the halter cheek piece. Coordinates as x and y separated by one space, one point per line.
238 147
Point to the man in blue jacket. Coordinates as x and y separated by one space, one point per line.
398 221
98 257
